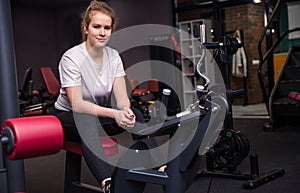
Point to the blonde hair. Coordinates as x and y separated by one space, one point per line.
96 6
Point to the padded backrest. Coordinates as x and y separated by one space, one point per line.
153 85
27 87
51 82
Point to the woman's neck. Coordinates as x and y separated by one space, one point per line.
96 53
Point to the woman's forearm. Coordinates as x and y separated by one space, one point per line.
92 109
123 103
82 106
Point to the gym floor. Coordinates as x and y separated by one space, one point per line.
275 150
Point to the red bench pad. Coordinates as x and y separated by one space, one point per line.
109 144
295 95
139 92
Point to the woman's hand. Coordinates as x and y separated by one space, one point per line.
125 118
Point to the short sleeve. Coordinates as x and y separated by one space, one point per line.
119 64
70 74
120 67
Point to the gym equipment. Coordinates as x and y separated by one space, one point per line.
46 96
283 104
233 147
28 137
281 109
51 83
230 150
189 133
30 100
31 137
142 98
11 172
72 183
186 163
192 132
26 93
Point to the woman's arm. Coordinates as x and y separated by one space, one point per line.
120 92
123 103
123 117
81 106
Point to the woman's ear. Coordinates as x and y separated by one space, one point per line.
85 29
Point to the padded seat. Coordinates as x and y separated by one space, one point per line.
139 92
73 161
109 144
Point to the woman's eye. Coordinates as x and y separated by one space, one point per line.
107 28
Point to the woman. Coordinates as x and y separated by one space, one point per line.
90 73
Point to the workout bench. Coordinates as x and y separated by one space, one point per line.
19 138
73 161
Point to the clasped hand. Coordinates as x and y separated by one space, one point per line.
125 118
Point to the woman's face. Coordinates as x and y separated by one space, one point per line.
99 30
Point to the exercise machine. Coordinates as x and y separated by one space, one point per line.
28 137
233 146
195 131
189 130
192 132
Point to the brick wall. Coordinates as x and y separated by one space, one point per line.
250 19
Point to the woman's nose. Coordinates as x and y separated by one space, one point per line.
102 32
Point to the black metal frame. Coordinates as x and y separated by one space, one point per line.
73 182
12 177
181 171
253 179
196 4
267 56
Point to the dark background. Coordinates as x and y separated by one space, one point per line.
44 30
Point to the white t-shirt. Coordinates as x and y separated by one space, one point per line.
77 68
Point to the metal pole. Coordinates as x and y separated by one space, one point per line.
269 44
9 104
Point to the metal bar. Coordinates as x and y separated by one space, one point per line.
264 58
186 6
268 26
264 34
148 175
3 173
9 105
